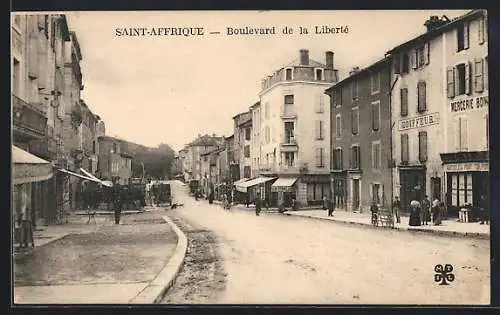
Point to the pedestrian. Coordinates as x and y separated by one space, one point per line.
435 211
211 196
325 203
425 210
330 205
396 207
483 210
117 200
374 211
414 213
248 199
148 193
258 205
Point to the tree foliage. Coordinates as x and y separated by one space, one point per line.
157 161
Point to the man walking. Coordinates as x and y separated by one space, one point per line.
117 189
396 207
258 205
425 211
330 205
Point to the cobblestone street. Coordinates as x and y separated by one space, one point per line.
288 259
132 253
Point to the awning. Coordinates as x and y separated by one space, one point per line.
77 175
284 182
29 168
256 181
239 181
104 182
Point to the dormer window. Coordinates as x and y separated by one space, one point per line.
288 74
318 74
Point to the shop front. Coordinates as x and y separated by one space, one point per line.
412 184
318 187
283 191
467 179
260 186
339 189
240 193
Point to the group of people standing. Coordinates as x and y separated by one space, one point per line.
424 212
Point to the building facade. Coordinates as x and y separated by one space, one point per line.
255 142
242 143
88 143
114 160
361 138
417 114
294 120
465 153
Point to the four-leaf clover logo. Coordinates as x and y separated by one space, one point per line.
444 274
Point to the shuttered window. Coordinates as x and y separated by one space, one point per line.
422 97
450 82
320 104
404 148
319 130
338 126
355 120
376 116
320 158
355 157
404 102
376 155
478 75
337 159
422 146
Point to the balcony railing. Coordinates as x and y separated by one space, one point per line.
28 120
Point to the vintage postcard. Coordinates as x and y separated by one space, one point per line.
250 157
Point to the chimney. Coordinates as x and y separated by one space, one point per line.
304 57
435 22
354 70
329 60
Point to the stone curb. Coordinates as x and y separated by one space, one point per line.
416 230
156 289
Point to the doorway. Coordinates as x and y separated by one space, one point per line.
412 186
355 194
436 188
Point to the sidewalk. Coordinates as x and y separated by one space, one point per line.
79 263
449 227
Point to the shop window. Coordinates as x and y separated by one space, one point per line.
461 189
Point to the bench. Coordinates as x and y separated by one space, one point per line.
386 218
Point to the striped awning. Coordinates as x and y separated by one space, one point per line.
29 168
239 181
283 184
243 187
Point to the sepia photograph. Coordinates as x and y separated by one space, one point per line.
250 157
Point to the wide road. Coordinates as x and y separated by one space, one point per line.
282 259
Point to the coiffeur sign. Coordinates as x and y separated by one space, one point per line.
418 122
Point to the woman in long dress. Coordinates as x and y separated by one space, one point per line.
414 213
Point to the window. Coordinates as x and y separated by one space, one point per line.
320 158
461 189
404 101
319 130
268 134
481 28
247 172
376 155
355 120
422 97
289 99
115 148
450 82
463 36
318 74
15 77
289 159
461 133
405 156
266 109
375 82
246 151
397 64
405 67
337 98
288 74
422 55
376 116
289 132
478 75
320 103
355 157
354 90
462 84
337 159
248 134
422 146
338 126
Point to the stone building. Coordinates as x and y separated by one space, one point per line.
242 143
115 160
293 121
361 138
88 143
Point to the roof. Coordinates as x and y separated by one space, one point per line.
206 140
245 122
377 64
240 114
438 31
312 63
257 104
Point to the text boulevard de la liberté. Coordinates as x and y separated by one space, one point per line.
229 31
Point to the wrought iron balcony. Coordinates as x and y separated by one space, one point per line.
28 120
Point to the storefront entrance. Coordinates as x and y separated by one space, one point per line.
465 188
413 185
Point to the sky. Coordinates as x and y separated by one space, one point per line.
169 89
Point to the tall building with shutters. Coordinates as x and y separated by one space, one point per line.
361 138
431 79
466 121
293 130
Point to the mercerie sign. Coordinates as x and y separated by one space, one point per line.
469 103
418 122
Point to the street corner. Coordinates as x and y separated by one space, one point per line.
164 280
